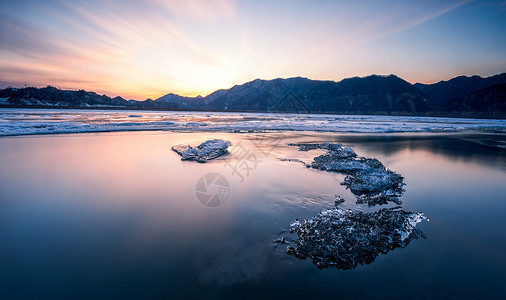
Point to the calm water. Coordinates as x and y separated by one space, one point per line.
115 215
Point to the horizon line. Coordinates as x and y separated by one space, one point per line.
111 95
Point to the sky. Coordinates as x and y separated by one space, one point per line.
148 48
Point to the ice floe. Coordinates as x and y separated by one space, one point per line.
344 239
367 178
208 150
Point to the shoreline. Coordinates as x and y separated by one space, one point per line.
36 122
430 114
273 131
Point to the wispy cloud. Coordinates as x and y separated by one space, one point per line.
203 10
399 21
146 48
360 29
430 16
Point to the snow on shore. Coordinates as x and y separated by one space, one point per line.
42 121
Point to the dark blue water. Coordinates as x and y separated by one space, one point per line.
115 215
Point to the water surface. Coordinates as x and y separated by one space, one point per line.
103 215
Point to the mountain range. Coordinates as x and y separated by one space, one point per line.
374 94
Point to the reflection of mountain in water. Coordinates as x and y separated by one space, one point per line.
489 149
483 148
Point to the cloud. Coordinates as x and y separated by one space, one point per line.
204 10
402 20
146 48
430 16
358 28
146 45
19 37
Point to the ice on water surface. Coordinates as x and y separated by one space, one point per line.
335 237
208 150
344 239
47 121
367 178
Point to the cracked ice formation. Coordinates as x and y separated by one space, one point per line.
343 239
208 150
335 149
367 178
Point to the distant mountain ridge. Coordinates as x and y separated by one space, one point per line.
371 94
458 87
51 96
374 94
488 100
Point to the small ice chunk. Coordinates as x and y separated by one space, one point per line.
281 240
338 200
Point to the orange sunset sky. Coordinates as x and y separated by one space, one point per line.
148 48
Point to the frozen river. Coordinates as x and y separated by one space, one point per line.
28 121
118 214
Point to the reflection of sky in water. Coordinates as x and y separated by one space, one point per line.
80 210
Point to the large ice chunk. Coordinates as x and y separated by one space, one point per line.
367 178
343 238
208 150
